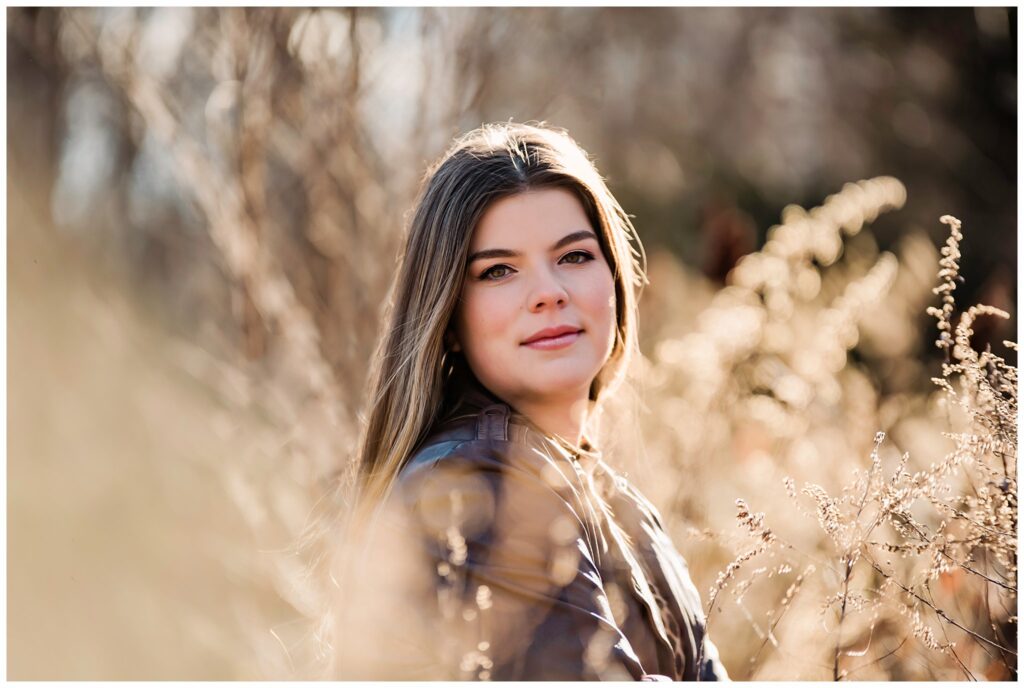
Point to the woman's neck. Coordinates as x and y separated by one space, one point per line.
566 420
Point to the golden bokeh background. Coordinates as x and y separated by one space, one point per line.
204 209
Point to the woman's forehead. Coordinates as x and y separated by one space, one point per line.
534 219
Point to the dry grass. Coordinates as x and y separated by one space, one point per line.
172 497
926 556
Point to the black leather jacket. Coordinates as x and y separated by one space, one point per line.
549 565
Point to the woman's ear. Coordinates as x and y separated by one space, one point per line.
451 342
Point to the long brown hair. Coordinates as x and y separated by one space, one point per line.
406 384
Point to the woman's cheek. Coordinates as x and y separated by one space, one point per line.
604 306
485 324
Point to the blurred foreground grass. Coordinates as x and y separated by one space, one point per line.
125 558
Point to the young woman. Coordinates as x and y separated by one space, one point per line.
513 319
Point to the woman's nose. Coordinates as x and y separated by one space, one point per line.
548 292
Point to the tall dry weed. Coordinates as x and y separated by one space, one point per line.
926 556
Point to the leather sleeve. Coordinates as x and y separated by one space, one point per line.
516 579
673 573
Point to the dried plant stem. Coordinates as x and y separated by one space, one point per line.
988 614
232 228
842 615
878 659
938 611
967 568
786 606
950 645
850 557
765 538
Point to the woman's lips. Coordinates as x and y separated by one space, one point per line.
552 343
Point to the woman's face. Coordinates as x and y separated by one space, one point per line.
536 319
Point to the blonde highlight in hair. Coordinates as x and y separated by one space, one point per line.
410 366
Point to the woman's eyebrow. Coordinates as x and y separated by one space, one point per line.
574 237
493 253
508 253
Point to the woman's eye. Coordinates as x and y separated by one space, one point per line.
577 257
496 272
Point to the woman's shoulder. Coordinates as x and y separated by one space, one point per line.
486 454
490 478
492 437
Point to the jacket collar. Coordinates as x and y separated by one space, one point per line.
470 396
